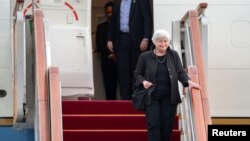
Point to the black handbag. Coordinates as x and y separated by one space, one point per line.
140 98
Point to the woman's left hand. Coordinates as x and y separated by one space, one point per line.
193 85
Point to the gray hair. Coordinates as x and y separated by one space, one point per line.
161 34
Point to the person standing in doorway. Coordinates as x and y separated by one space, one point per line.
130 32
109 68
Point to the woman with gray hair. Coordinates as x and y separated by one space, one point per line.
159 71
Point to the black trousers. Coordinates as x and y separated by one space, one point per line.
160 116
127 57
110 76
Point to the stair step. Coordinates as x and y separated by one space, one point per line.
106 122
102 120
98 107
111 135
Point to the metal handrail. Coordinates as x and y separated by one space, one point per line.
197 107
42 130
194 109
55 104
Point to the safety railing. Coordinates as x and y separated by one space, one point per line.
42 123
48 118
37 85
198 59
195 110
55 104
197 107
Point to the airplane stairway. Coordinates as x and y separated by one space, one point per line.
102 120
95 120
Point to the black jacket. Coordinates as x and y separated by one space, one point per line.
146 70
101 39
140 22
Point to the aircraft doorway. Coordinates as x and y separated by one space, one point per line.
98 16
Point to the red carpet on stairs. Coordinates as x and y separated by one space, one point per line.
102 120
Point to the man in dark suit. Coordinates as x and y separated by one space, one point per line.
130 32
109 68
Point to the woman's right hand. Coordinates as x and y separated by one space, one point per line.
146 84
